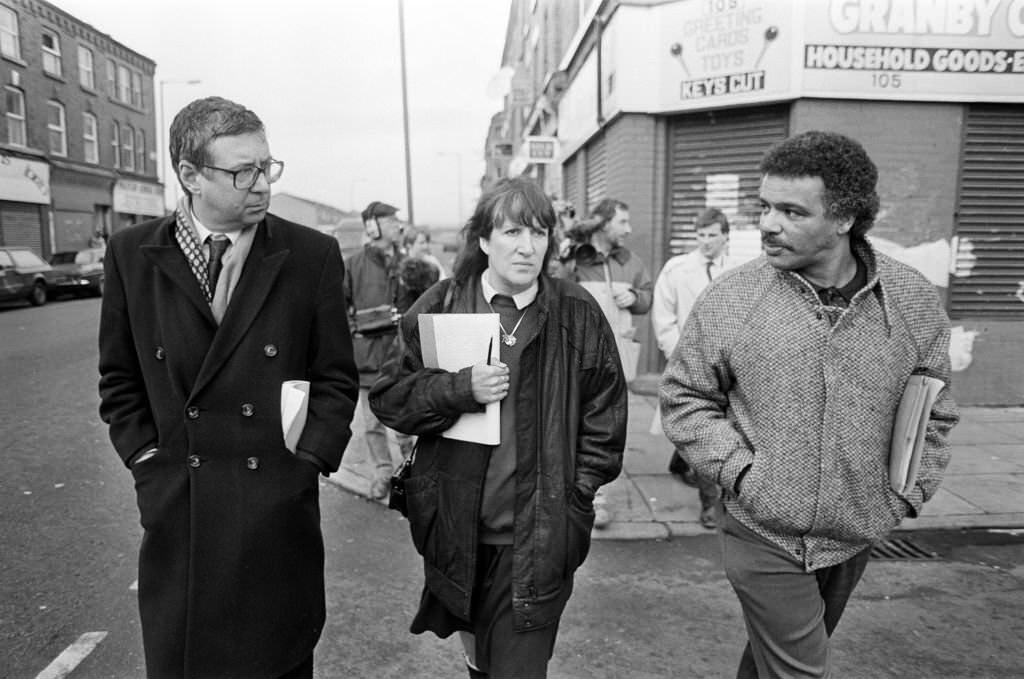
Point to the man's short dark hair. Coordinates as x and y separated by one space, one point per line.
712 216
849 175
204 120
377 209
606 209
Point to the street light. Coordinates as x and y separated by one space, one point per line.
458 159
165 152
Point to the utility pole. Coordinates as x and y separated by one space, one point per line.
405 113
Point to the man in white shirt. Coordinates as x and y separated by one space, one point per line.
680 282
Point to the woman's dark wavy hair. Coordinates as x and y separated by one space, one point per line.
849 175
518 200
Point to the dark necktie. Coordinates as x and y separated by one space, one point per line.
218 245
710 264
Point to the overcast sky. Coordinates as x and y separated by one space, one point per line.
325 77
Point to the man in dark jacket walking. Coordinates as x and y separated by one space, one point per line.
374 290
503 528
205 314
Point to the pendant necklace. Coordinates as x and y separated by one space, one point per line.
509 338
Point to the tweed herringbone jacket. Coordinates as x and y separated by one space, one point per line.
765 376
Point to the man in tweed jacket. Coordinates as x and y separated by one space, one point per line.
783 389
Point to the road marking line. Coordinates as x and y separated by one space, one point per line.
71 656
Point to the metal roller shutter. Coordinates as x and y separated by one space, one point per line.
714 159
597 173
571 182
989 278
20 226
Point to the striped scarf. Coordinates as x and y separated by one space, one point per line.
188 241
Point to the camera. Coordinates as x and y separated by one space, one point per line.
577 245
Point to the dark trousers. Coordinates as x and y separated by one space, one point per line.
502 652
789 613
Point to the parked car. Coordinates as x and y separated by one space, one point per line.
24 275
79 272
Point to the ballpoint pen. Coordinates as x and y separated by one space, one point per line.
490 348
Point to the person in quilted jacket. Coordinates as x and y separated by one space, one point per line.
783 390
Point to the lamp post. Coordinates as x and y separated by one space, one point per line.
458 167
165 136
405 112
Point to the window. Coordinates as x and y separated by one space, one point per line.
140 151
115 141
124 84
90 138
10 42
15 114
136 89
86 74
51 53
25 258
128 148
111 79
57 127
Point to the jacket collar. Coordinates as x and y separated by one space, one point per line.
262 267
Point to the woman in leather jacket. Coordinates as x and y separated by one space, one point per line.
503 528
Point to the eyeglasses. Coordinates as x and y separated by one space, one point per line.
247 177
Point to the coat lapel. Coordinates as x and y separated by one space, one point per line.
165 254
261 269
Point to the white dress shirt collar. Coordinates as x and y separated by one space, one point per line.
522 299
203 233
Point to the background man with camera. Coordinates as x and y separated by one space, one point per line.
373 290
620 282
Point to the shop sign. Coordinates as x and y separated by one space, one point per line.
24 181
969 50
138 198
724 52
538 149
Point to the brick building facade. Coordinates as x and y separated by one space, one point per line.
79 116
669 106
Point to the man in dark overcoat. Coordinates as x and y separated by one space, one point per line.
206 313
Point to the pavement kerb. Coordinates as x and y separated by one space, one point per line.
648 504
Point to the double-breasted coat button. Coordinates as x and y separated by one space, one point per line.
193 461
248 409
270 350
159 353
192 413
253 463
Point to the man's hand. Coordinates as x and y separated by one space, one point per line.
490 382
624 298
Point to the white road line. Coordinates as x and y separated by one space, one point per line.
71 656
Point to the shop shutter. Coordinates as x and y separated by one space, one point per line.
20 226
571 181
989 279
726 145
597 173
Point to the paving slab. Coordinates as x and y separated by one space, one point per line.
983 487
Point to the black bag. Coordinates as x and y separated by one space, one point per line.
397 499
376 320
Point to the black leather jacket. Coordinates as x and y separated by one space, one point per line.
572 403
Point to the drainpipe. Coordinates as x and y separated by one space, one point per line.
599 20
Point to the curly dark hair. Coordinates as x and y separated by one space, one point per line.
849 175
517 199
